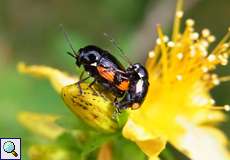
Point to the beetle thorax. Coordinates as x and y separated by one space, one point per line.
89 55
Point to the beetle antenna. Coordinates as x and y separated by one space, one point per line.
116 45
67 37
71 54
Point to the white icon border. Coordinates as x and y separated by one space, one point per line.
20 147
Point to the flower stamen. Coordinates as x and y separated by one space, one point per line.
164 53
222 42
177 21
224 79
225 108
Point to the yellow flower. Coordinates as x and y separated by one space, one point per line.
178 108
41 124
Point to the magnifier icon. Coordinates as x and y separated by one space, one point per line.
9 147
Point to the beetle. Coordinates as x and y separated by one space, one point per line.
138 87
129 85
132 83
103 67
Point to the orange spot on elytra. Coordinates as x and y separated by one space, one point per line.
124 85
109 75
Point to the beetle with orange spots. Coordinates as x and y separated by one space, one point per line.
129 85
104 68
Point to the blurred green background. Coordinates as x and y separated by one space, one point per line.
29 32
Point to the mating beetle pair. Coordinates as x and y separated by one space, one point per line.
129 85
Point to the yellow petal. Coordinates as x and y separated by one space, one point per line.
57 78
48 152
95 110
201 143
150 144
208 116
154 158
41 124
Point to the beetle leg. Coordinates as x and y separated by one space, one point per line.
123 105
115 100
79 82
82 74
118 105
90 86
116 112
120 71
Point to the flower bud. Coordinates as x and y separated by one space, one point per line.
95 110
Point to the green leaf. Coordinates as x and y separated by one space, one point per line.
124 149
70 142
171 153
166 154
122 118
96 141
